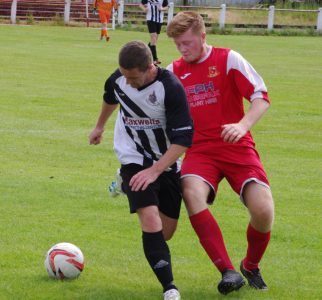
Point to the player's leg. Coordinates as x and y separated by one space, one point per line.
249 180
103 20
170 202
145 204
108 16
152 28
103 30
155 248
259 201
195 194
152 45
158 30
169 226
200 179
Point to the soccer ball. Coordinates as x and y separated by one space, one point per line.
64 260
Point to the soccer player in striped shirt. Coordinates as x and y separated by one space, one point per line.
153 129
154 10
216 81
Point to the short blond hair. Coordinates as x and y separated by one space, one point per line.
184 21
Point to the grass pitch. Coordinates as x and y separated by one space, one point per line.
53 184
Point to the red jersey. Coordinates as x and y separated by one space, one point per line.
215 89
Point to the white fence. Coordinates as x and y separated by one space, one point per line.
223 10
240 3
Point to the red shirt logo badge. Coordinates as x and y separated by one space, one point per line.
213 72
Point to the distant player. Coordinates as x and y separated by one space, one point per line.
105 9
216 81
154 10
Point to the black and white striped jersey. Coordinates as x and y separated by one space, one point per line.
154 14
150 118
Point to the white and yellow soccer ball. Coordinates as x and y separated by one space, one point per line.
64 260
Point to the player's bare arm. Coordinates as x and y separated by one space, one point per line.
162 8
232 133
144 7
141 180
96 135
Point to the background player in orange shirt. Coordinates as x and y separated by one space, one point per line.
104 8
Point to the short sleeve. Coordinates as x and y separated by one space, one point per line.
109 94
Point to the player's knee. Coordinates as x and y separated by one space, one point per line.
267 208
260 204
263 217
154 38
188 192
149 219
265 214
195 193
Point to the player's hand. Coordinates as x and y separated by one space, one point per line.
96 136
161 8
141 180
232 133
95 11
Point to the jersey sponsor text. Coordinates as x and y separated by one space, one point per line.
142 124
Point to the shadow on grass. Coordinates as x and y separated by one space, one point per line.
80 289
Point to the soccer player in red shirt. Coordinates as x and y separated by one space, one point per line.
216 80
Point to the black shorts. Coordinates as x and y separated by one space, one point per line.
165 192
154 27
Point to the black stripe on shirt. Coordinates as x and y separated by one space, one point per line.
135 108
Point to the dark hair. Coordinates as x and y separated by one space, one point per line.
135 54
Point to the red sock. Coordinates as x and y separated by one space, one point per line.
257 244
211 239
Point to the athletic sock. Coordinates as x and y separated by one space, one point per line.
104 33
211 239
153 49
257 244
157 254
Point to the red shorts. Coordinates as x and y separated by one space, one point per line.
212 164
